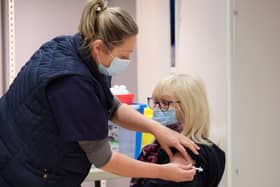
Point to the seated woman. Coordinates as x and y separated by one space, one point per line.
179 101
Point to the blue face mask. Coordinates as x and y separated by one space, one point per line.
165 118
117 66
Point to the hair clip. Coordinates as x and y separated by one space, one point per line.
98 9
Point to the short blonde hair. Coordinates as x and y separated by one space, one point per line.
110 24
194 109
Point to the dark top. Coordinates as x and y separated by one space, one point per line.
76 109
210 158
85 125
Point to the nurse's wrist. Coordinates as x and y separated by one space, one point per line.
155 128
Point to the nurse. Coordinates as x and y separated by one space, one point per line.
54 116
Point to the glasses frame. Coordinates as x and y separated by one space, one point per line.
162 106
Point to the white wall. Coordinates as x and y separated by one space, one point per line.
39 21
201 48
255 94
153 45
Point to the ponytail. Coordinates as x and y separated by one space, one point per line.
110 24
88 18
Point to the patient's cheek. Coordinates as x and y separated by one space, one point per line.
178 158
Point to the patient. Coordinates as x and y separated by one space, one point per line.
179 101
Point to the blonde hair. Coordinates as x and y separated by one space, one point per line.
194 109
110 24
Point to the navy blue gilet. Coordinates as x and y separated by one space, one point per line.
32 153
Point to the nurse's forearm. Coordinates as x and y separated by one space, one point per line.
129 118
125 166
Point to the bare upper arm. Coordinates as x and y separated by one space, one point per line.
178 158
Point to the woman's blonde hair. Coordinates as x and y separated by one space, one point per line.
110 24
194 109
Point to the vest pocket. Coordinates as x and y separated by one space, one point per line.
44 174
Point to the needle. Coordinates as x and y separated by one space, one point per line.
199 169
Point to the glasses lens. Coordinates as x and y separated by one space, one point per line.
153 104
150 102
164 105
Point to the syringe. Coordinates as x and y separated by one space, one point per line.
199 169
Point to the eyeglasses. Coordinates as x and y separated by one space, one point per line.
163 104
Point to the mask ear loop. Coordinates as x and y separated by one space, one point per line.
109 52
98 61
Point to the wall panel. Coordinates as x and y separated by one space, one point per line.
255 94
